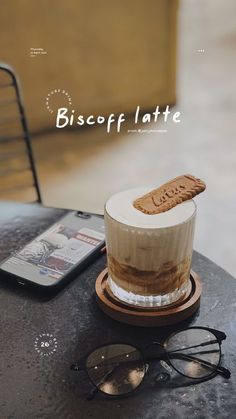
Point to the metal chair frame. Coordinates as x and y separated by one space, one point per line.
15 84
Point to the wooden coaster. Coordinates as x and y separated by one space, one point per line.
151 316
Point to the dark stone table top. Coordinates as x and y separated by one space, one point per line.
36 386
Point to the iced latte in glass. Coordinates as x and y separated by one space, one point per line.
149 256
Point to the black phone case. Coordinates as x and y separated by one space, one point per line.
6 276
75 271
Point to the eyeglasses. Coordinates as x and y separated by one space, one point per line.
118 369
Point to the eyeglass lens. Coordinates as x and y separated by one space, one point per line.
194 353
116 369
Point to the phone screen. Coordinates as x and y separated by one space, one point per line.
53 254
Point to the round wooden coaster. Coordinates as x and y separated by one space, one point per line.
151 317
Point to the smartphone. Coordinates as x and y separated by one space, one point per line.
58 254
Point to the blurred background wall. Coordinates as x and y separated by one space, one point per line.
109 56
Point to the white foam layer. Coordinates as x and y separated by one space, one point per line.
120 207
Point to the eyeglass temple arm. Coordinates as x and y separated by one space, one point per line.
224 371
81 367
220 370
106 376
220 335
92 394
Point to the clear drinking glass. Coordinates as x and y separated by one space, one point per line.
149 267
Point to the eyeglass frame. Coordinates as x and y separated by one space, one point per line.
220 336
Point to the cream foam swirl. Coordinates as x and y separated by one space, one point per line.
120 208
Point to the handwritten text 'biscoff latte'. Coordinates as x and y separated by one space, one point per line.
68 118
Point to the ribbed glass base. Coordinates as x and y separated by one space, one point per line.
147 300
